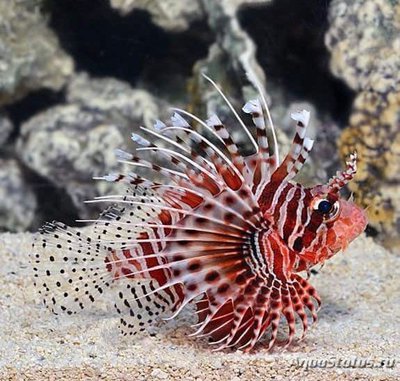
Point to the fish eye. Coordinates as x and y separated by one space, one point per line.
330 210
324 206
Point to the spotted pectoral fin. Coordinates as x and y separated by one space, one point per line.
140 306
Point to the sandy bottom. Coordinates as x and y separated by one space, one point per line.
358 323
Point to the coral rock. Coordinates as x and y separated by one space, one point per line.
364 41
6 128
170 14
32 63
68 145
17 200
117 99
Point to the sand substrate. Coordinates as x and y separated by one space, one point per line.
357 336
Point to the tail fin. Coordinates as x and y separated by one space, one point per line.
70 272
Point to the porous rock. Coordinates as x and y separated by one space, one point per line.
232 55
364 41
69 144
170 14
28 64
116 99
6 128
17 199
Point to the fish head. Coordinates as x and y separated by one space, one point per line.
350 223
341 221
332 221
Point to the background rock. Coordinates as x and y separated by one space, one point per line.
230 57
30 55
364 41
6 128
170 14
69 145
126 106
72 143
17 199
363 38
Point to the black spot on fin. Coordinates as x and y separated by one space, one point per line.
140 307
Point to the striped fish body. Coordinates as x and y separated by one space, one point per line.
226 232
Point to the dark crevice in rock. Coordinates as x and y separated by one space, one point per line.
107 44
290 47
31 105
370 231
53 203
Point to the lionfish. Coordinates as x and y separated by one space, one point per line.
227 232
